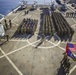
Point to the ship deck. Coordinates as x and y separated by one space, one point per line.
19 56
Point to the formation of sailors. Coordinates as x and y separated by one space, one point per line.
28 26
46 11
47 26
71 14
62 27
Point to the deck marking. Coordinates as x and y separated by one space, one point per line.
74 20
18 40
19 49
72 69
47 40
15 24
1 56
73 25
71 8
16 16
10 61
58 46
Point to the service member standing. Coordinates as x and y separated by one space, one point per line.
6 25
10 23
7 37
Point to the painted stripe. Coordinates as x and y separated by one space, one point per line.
18 49
72 69
20 73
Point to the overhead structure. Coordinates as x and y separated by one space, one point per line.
64 7
34 6
64 1
59 2
53 6
23 4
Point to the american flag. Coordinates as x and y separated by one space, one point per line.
71 47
